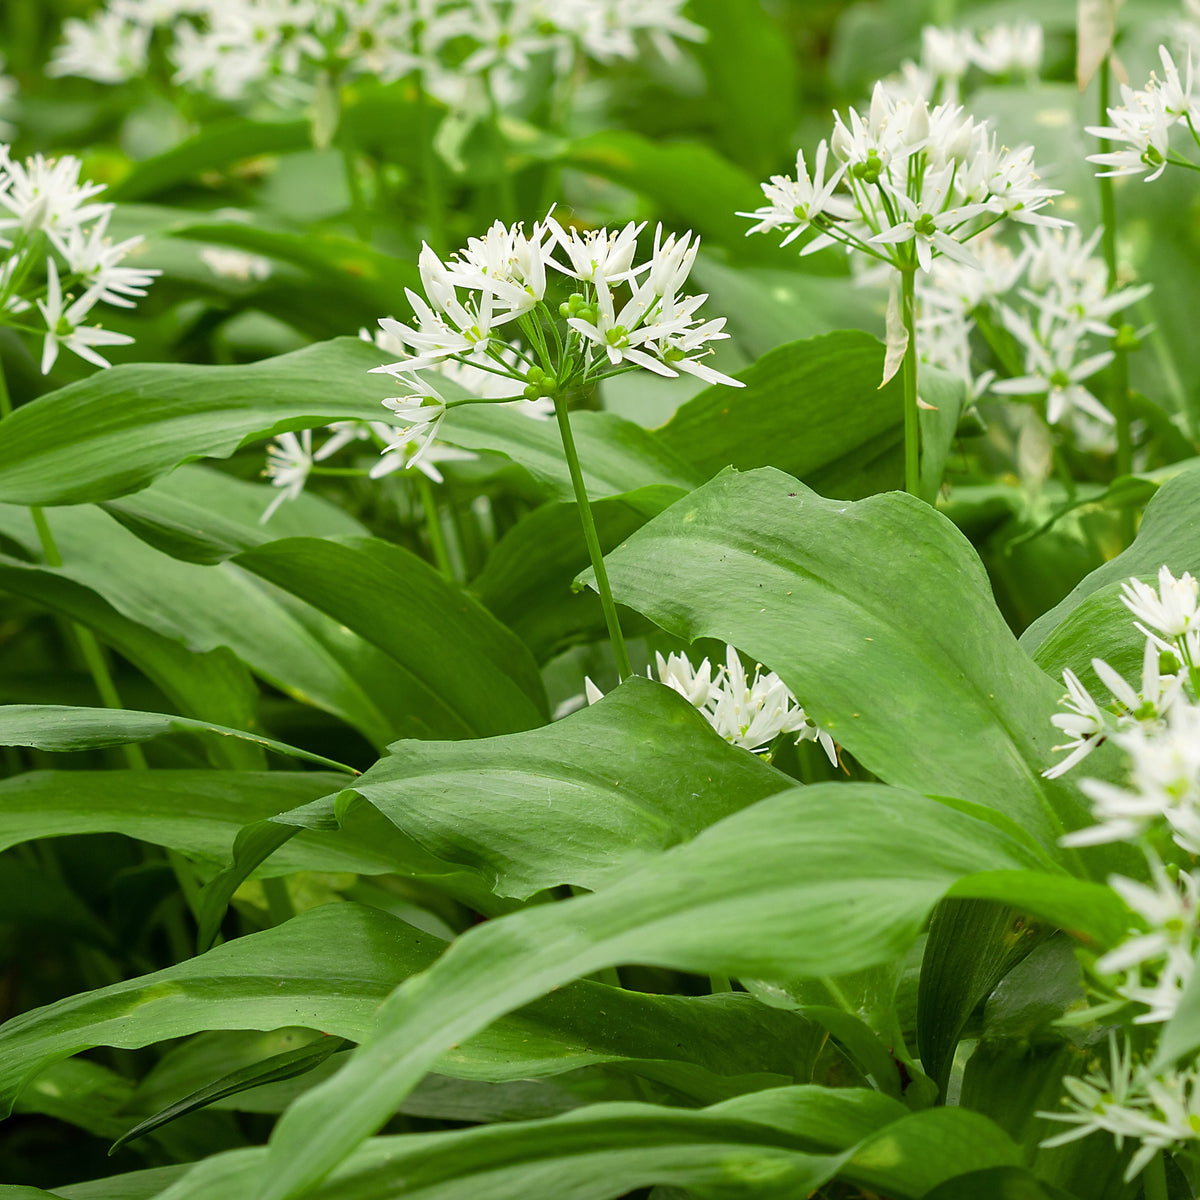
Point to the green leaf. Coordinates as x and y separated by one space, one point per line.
617 456
774 1144
827 894
288 643
134 1185
62 728
460 673
846 418
1180 1037
196 812
972 945
216 147
528 579
286 976
1167 535
252 846
582 801
119 430
911 667
751 71
271 1070
202 515
691 184
212 686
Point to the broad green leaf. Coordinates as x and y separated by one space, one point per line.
768 307
62 728
196 812
1167 535
616 455
903 658
751 71
529 576
810 408
582 801
212 686
358 284
119 430
278 1067
202 515
807 882
134 1185
691 185
288 643
459 672
761 1145
972 945
216 147
290 976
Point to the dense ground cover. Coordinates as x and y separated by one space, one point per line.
598 598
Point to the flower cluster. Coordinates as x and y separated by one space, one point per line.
1158 728
1044 313
948 55
1142 123
621 316
228 48
750 711
911 182
54 233
1161 1109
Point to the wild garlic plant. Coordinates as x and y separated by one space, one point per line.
1042 315
491 308
750 711
907 183
232 49
58 260
1141 981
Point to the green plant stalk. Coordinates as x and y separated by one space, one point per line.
624 670
360 216
912 417
433 525
1120 390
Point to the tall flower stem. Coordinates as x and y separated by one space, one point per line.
1120 367
912 416
433 526
595 553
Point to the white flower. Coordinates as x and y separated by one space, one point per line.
1165 952
1084 723
1006 49
90 253
750 712
235 264
1172 610
108 47
419 417
45 194
402 455
64 328
801 201
598 254
289 460
1143 124
925 221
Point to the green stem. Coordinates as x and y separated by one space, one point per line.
433 525
912 421
506 194
279 902
93 656
719 983
360 216
624 670
1154 1181
1120 391
5 399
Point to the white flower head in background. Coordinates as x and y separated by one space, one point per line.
236 264
289 461
749 711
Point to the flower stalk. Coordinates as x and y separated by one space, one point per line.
912 416
595 552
